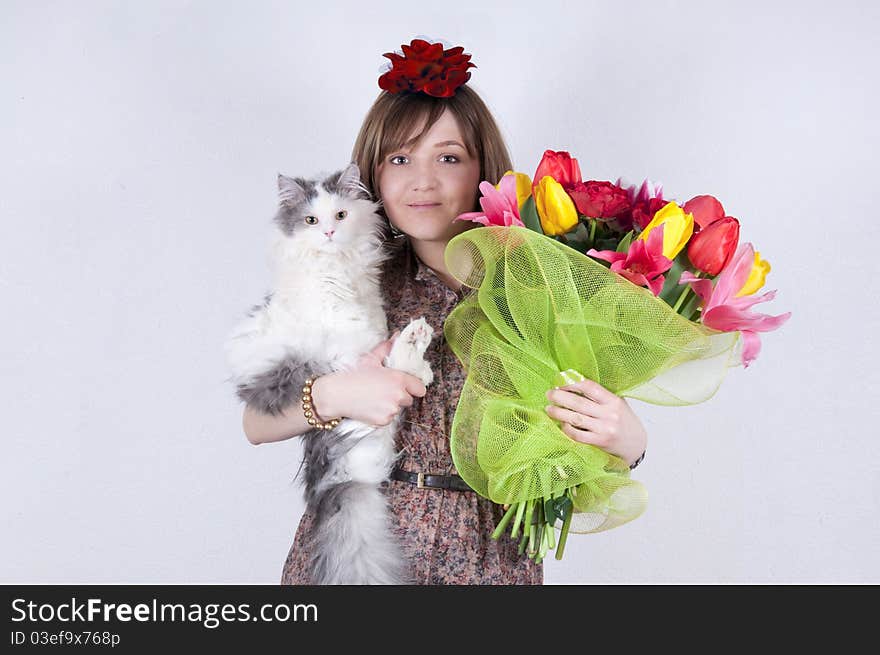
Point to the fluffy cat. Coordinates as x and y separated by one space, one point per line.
324 311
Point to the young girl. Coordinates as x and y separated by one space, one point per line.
424 156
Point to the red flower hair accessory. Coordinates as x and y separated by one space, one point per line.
426 67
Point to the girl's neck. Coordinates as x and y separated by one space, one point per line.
431 254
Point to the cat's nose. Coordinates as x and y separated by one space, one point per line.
329 233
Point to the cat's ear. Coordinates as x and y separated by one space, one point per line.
350 181
289 191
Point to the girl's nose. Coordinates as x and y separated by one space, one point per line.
424 178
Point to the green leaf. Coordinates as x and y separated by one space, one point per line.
685 260
528 214
580 231
556 507
606 243
690 305
671 288
578 238
623 246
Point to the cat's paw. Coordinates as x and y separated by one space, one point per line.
426 375
408 350
417 335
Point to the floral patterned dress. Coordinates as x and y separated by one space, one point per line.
445 534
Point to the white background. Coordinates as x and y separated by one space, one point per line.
141 146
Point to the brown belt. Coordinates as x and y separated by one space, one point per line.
422 480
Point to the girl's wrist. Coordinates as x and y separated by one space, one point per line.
323 398
638 460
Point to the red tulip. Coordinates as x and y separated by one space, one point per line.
706 210
712 247
561 166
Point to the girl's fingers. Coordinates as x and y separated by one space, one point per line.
576 419
592 390
585 436
575 402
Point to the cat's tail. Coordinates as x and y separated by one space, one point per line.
353 539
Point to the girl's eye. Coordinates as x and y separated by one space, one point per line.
402 157
341 214
311 220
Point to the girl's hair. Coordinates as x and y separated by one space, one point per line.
394 116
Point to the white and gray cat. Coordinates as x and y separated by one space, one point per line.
326 309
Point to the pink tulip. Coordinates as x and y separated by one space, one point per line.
723 310
499 205
643 263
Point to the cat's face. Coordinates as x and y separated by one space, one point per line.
327 214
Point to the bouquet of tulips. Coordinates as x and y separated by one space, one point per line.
589 279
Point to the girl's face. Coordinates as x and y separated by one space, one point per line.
437 170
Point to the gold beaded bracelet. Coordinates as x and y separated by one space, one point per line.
309 410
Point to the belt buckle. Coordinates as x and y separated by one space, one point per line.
420 480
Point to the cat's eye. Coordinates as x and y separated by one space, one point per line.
311 220
341 214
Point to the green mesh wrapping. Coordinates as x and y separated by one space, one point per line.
539 314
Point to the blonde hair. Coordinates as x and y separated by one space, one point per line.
394 116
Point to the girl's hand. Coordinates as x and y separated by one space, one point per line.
591 414
368 391
379 352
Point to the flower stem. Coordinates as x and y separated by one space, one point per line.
528 518
538 528
563 535
520 510
539 524
592 232
502 524
681 297
684 293
544 543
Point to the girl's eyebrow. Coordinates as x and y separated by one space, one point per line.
405 148
448 143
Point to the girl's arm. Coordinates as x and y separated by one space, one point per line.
260 427
368 392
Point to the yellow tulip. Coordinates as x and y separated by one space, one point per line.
758 274
523 186
555 207
677 231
